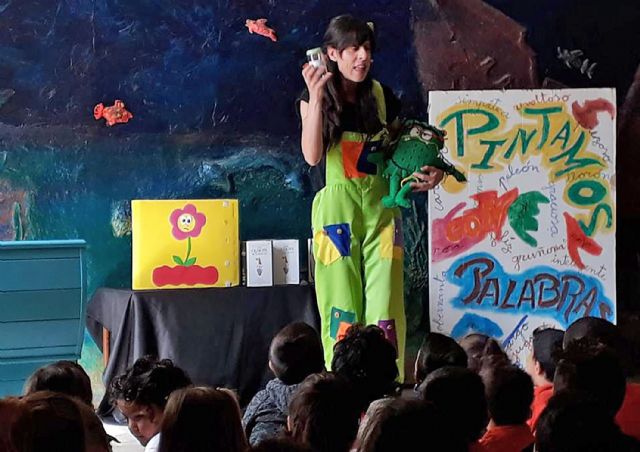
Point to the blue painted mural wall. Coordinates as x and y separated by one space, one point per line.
214 111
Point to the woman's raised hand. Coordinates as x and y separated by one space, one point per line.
316 79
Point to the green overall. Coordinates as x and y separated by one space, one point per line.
358 244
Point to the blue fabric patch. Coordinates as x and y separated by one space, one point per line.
340 236
364 165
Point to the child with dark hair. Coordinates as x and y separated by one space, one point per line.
53 422
368 360
459 394
574 422
295 353
509 393
202 419
141 394
541 367
14 430
65 377
400 425
628 417
436 351
590 367
479 348
324 413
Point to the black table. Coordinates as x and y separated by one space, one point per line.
220 337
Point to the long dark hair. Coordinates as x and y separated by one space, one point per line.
346 31
199 419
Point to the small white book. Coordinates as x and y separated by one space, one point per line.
286 261
259 263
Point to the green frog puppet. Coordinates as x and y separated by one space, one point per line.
419 144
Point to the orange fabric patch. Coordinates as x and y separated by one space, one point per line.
342 330
351 151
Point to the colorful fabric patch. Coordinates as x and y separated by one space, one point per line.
389 328
386 242
342 330
350 155
391 241
338 317
364 165
340 236
326 253
333 242
355 158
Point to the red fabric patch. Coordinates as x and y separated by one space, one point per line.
351 151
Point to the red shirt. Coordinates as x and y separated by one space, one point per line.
628 417
507 438
541 395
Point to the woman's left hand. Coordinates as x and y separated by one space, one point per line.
428 177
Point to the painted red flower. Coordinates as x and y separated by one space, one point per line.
187 222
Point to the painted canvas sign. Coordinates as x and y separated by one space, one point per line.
529 240
185 243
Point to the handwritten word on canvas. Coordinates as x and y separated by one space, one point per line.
542 291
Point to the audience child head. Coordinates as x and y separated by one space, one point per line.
141 394
546 345
65 377
295 353
436 351
574 422
590 367
509 393
324 413
459 395
202 419
14 428
401 425
55 423
368 360
604 332
481 347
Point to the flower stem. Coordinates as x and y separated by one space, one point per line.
188 249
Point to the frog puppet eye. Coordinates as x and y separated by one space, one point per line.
415 132
426 135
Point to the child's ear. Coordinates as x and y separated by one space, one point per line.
537 367
271 367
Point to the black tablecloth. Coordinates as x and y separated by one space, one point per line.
220 337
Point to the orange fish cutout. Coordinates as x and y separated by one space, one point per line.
113 115
259 26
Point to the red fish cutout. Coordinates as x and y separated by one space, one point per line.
113 115
587 114
259 26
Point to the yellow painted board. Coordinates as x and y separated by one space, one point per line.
179 244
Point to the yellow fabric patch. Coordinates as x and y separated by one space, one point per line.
387 248
326 251
386 242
